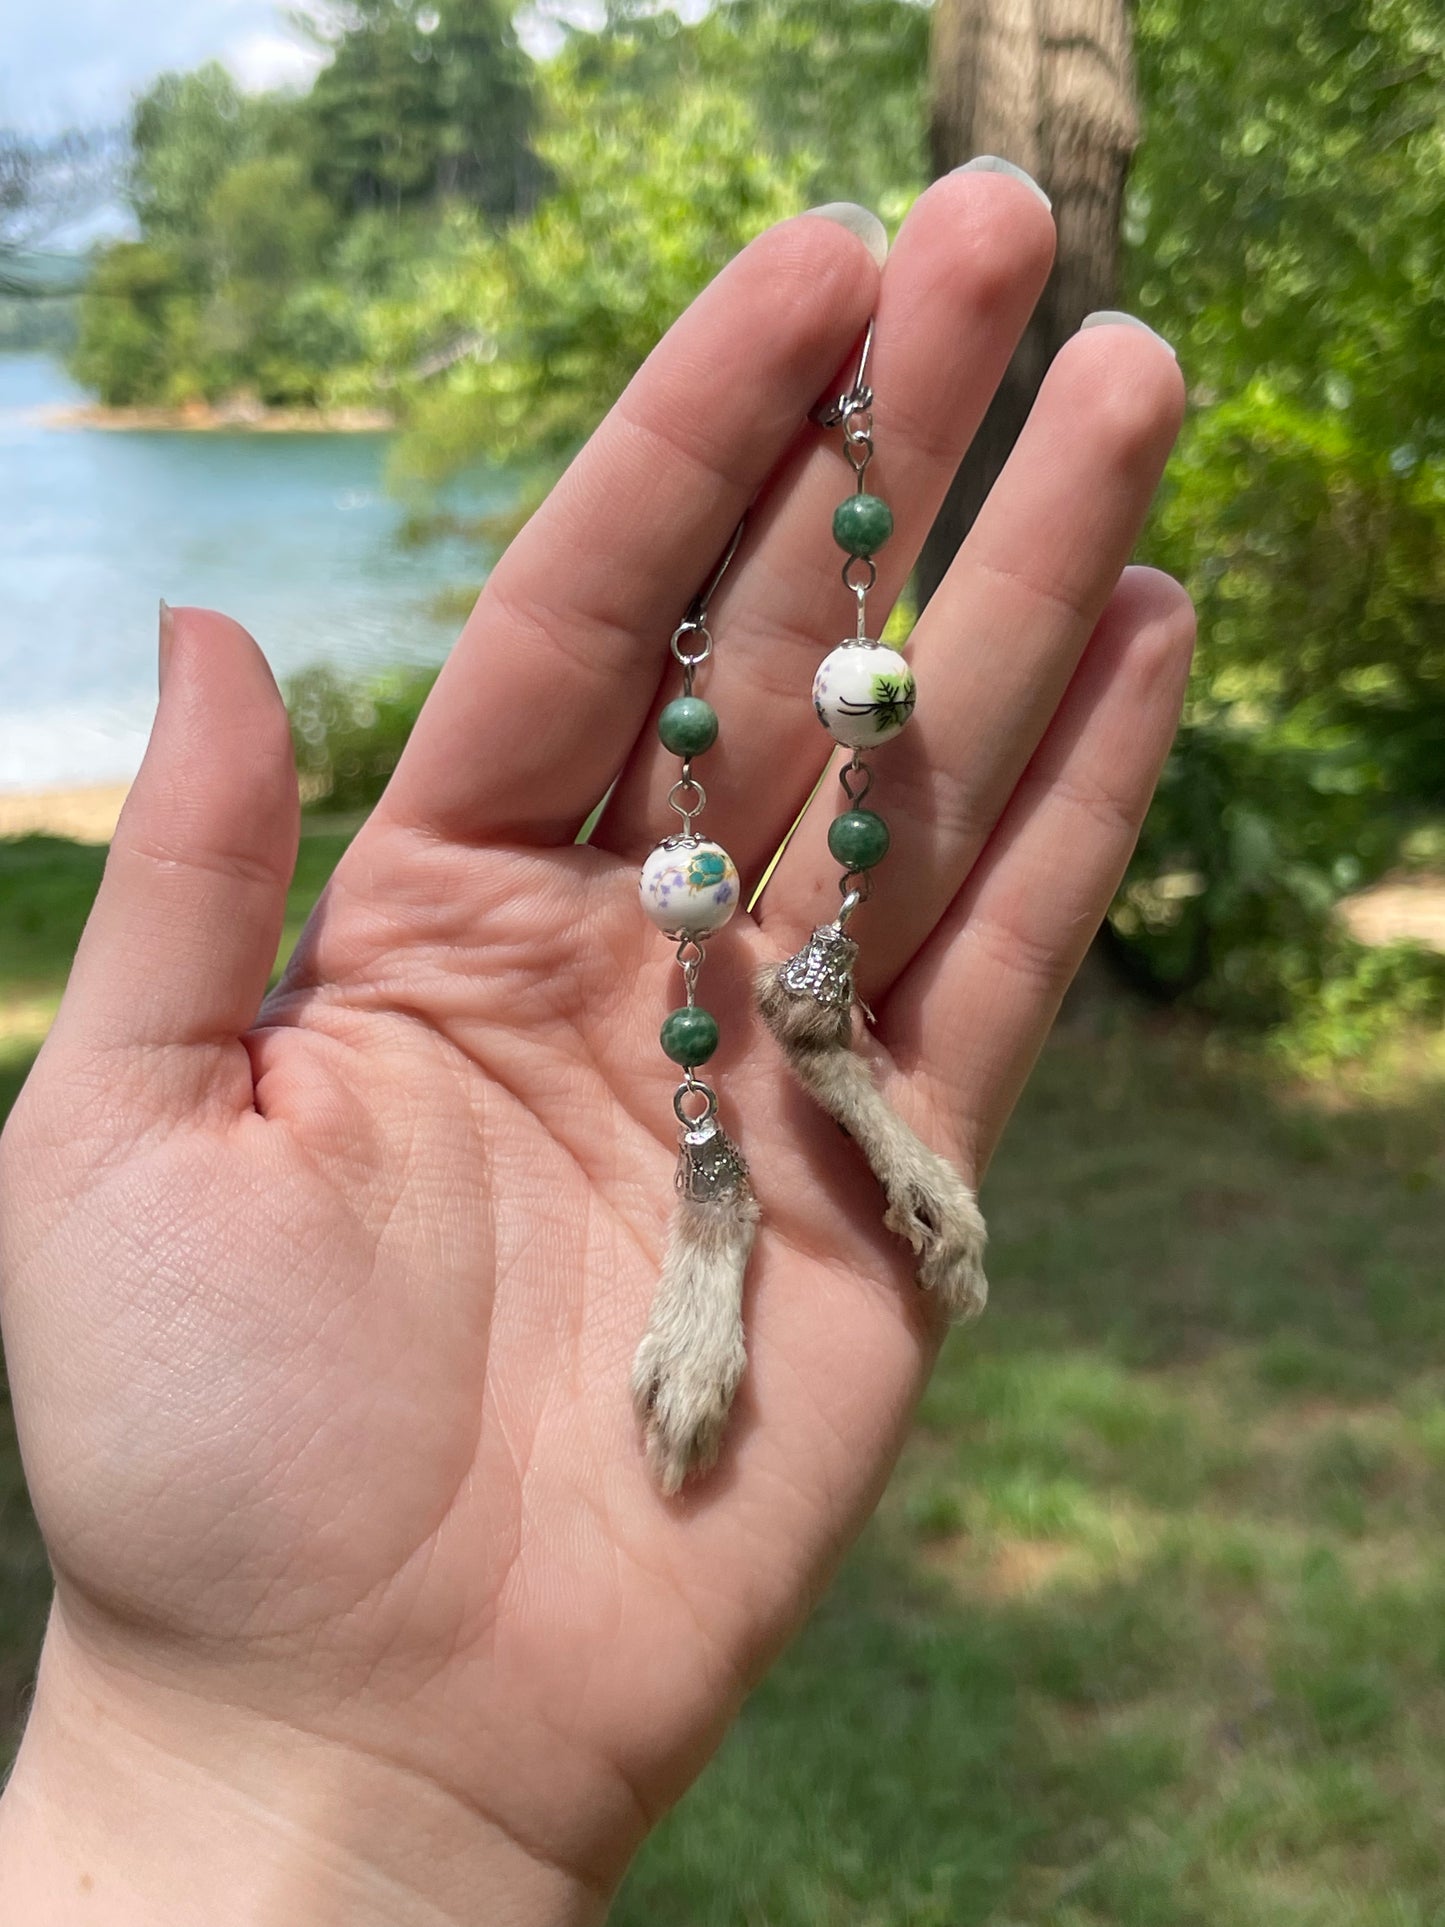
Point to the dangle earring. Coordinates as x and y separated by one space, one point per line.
689 1363
864 693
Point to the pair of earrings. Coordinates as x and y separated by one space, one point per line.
693 1355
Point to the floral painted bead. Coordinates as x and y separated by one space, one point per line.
689 886
864 693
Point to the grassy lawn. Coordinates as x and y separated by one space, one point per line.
1151 1626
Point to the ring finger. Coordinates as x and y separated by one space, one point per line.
994 651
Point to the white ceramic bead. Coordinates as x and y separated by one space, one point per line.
864 693
689 886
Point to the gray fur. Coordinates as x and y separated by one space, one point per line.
690 1362
929 1204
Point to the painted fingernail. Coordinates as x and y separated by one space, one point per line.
1116 318
167 627
861 221
992 164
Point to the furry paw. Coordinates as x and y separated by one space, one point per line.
692 1357
682 1395
940 1219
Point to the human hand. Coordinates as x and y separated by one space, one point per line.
320 1322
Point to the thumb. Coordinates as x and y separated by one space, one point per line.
184 931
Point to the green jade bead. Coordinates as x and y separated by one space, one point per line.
858 839
689 1035
688 726
862 524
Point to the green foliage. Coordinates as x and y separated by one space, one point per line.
1285 236
567 304
420 100
772 105
187 132
1360 999
349 737
840 83
265 224
270 223
1249 845
127 316
265 229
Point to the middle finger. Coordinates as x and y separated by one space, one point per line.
958 288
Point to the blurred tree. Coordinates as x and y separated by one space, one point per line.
841 82
773 104
1284 232
122 350
265 224
424 99
187 132
266 228
558 311
1049 85
145 333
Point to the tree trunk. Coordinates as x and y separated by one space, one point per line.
1049 85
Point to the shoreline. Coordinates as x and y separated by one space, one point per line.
88 813
85 812
251 417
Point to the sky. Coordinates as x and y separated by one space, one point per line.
79 63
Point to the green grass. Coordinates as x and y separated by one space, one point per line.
1150 1629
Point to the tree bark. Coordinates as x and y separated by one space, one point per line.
1049 85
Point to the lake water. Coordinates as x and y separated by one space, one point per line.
293 534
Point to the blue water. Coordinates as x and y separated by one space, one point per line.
294 535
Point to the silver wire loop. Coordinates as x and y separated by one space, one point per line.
690 658
852 897
687 811
870 577
857 772
688 1089
858 442
690 956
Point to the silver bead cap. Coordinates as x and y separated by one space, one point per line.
823 968
710 1167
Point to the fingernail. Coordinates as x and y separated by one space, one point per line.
861 221
1116 318
991 164
167 626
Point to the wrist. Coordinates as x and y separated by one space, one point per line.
135 1803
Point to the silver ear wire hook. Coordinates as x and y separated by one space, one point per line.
832 414
696 617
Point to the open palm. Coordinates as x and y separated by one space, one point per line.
320 1323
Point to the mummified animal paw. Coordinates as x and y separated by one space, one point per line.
683 1401
937 1214
692 1357
805 1004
